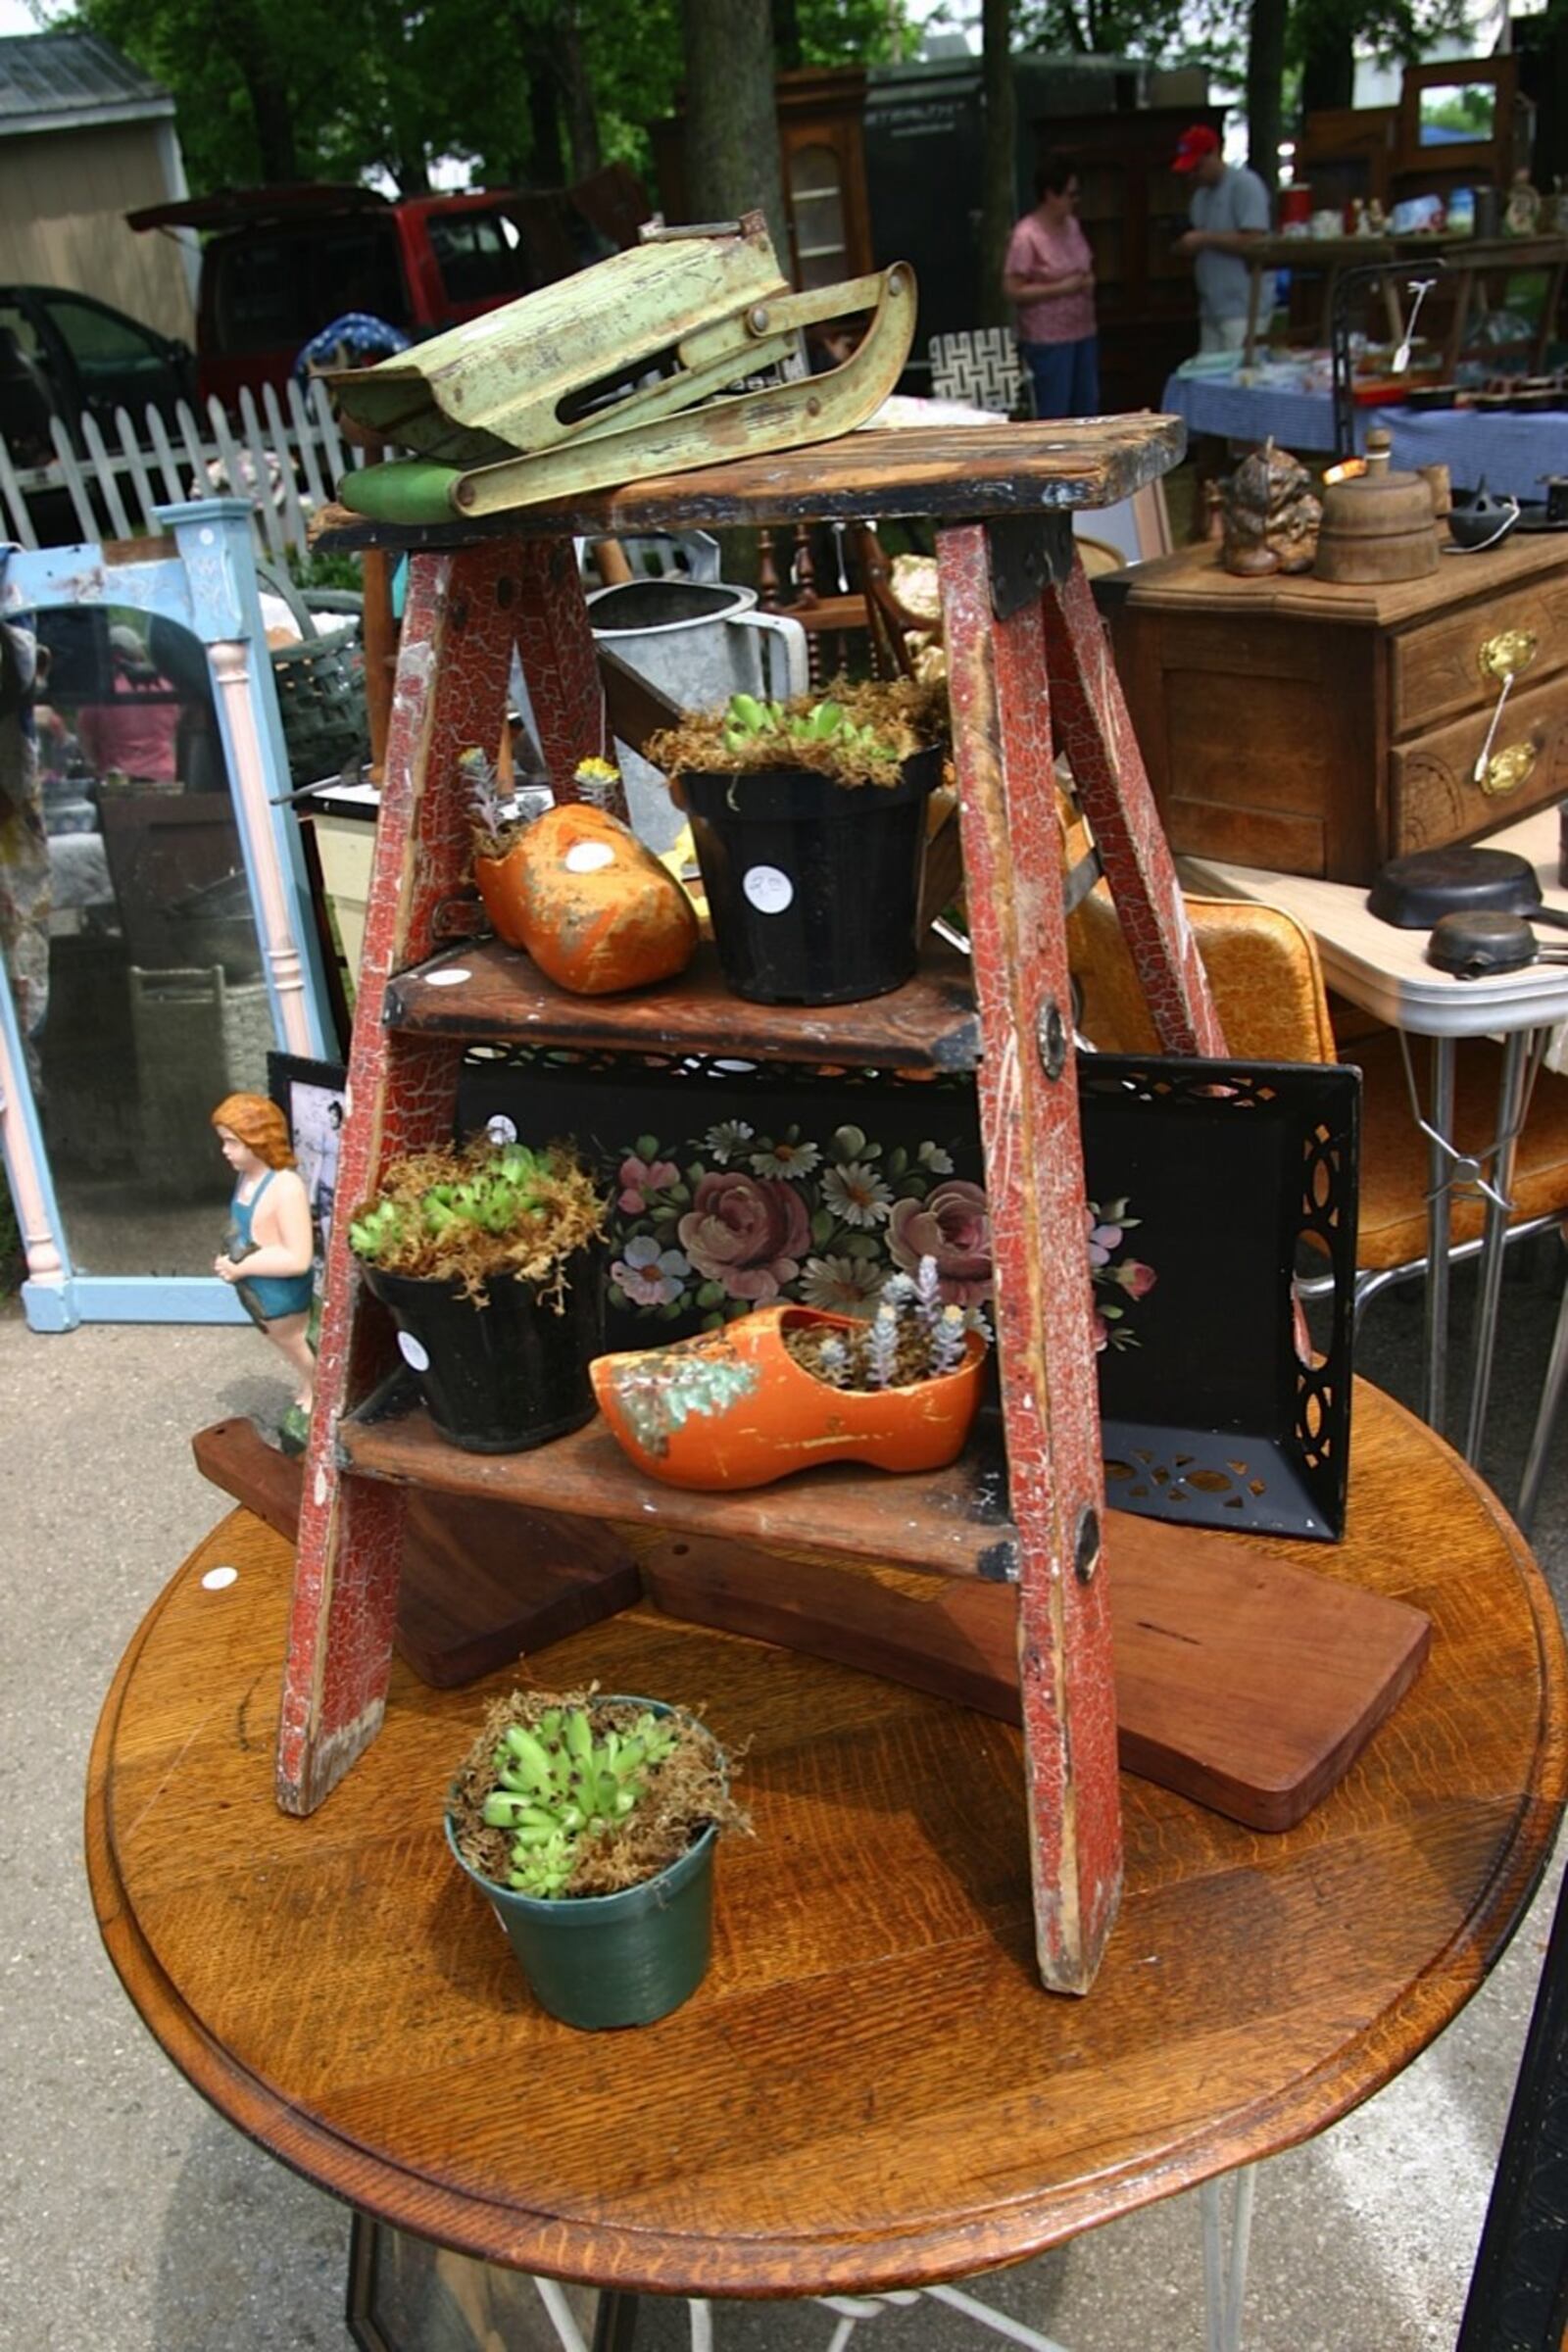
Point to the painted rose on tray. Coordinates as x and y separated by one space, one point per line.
951 1225
733 1218
1109 1227
746 1233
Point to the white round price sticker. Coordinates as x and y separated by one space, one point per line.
414 1352
769 890
588 856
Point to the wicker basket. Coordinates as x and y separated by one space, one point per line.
320 700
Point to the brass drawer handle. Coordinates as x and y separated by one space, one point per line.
1507 770
1506 655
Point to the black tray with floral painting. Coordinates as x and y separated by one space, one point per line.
734 1184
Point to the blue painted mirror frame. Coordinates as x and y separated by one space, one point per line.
207 585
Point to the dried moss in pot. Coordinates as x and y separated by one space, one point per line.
859 734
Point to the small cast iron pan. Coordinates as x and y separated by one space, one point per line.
1477 946
1417 891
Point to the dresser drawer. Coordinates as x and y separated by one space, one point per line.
1436 669
1432 796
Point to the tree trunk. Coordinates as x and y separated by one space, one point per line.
1328 55
1265 75
732 146
546 160
999 196
582 117
787 34
237 28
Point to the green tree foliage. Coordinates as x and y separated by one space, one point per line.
529 91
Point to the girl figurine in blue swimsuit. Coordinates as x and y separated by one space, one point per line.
268 1248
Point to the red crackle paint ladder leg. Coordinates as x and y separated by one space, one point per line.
453 669
1002 741
1089 714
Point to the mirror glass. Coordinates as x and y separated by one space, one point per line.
1457 114
138 954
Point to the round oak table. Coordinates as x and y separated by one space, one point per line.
870 2091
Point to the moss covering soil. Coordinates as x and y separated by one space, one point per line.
567 1213
907 715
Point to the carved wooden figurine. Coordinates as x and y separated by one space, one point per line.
1270 514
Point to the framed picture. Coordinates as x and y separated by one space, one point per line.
407 2295
312 1097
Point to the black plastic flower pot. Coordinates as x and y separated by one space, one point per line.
814 889
507 1376
606 1960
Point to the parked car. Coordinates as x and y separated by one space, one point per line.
66 354
280 263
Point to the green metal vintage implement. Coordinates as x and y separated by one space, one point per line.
658 359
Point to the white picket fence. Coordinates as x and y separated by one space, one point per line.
284 453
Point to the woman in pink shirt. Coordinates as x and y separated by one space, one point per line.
1049 275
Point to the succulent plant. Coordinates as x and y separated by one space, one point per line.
558 1784
748 723
487 806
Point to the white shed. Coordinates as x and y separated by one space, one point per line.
85 137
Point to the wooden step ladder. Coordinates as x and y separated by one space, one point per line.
1030 674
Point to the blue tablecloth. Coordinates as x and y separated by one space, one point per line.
1510 452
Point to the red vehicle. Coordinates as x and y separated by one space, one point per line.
282 262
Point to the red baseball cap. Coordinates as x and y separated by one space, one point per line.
1193 145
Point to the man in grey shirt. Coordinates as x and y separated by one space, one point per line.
1229 212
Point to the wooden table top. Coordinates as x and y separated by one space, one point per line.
1194 580
945 471
870 2089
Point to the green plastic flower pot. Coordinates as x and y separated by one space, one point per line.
613 1959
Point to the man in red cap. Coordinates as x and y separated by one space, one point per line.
1229 213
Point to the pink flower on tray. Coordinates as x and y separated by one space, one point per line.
647 1275
747 1233
639 1177
1134 1277
951 1225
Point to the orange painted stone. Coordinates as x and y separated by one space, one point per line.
732 1408
589 902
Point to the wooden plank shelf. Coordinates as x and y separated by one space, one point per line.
503 996
951 1523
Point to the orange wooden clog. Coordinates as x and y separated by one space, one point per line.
591 904
732 1408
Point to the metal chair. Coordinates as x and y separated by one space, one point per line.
981 365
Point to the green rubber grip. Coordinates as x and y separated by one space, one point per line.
408 490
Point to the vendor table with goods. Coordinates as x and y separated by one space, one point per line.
1511 452
1466 262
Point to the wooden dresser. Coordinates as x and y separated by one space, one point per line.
1321 730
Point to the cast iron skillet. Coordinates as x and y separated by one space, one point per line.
1417 891
1477 945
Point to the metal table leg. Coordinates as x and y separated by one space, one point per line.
1487 1175
1521 1057
1440 1156
1551 1396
